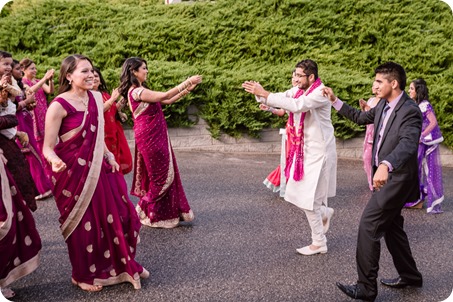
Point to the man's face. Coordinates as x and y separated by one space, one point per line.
384 86
301 78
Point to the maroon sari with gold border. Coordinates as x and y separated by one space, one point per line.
98 220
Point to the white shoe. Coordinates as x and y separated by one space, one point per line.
326 222
307 251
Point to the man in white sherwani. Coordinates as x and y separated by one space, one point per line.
311 163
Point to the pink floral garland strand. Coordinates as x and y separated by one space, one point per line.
297 139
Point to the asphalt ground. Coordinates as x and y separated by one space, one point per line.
242 244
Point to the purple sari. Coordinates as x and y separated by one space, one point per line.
20 243
98 220
429 165
156 176
32 153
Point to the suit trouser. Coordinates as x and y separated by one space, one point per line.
376 223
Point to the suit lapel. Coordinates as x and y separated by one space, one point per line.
392 117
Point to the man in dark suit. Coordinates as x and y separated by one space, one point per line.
397 122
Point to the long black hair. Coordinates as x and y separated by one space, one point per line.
127 78
421 90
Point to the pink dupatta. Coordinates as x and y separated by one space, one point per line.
297 139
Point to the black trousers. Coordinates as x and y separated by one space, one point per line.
376 223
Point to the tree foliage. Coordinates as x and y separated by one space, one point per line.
229 41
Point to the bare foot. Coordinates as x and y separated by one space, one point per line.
144 274
87 287
8 293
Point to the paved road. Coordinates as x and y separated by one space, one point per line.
241 247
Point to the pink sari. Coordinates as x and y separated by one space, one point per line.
39 112
20 243
32 153
368 147
156 177
98 220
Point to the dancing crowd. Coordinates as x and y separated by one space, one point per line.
75 150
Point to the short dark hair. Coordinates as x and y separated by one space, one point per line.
421 90
5 54
393 71
309 67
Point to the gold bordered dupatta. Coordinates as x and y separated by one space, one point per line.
84 199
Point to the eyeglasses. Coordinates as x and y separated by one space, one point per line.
302 75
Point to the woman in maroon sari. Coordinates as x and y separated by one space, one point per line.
114 134
156 177
20 243
40 88
98 220
25 102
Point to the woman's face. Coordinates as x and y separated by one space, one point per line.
17 72
96 81
82 77
412 92
30 71
374 88
6 66
141 73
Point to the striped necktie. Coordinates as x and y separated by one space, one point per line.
384 113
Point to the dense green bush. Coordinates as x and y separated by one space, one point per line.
229 41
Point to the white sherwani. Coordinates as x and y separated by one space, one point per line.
320 155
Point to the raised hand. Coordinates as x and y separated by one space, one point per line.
363 105
195 80
115 94
254 88
328 92
49 74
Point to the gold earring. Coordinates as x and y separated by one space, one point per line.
70 82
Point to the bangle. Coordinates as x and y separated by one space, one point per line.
109 156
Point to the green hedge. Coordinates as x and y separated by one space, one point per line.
229 41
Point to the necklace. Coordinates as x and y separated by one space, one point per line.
84 100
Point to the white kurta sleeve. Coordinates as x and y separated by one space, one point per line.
303 103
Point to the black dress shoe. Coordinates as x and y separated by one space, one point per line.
354 292
400 283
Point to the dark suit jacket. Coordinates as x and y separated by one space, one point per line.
399 146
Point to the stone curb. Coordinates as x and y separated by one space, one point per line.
198 138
